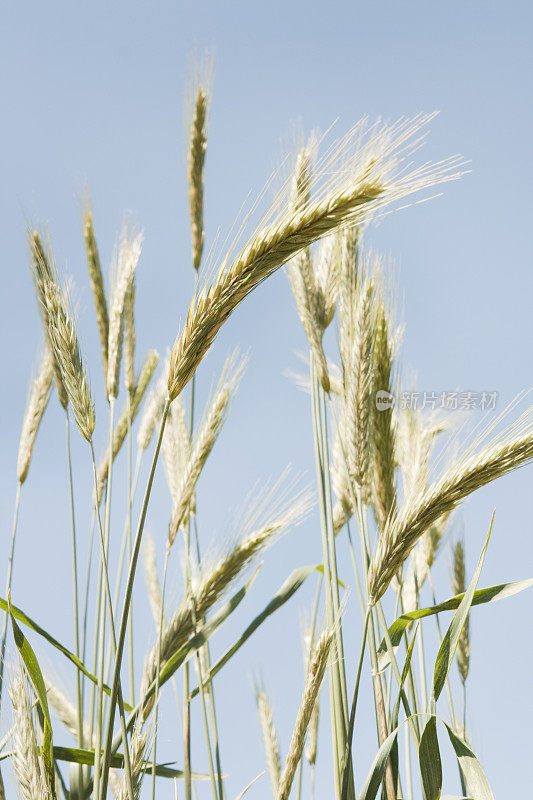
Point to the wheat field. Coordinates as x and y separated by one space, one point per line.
163 583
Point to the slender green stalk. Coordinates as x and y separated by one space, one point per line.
127 765
75 598
103 611
8 584
332 551
129 524
127 602
158 667
351 724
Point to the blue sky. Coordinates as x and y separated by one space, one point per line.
93 95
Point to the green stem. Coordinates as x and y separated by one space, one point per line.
75 592
158 666
130 503
348 751
127 601
335 701
127 765
8 584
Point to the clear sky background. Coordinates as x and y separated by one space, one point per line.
93 94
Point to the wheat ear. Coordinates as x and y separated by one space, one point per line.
510 451
65 347
139 755
176 447
373 181
151 579
129 338
97 281
463 647
383 428
270 738
195 171
317 667
213 580
128 258
205 440
40 393
43 272
27 765
301 271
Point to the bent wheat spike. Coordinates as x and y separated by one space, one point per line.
43 273
64 342
205 440
213 580
360 190
418 515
